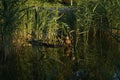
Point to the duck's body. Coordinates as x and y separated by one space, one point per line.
67 51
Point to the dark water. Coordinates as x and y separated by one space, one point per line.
85 61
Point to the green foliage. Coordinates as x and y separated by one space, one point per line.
51 22
44 23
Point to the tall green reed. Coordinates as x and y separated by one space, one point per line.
45 23
10 16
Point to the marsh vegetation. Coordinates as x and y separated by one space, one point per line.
54 40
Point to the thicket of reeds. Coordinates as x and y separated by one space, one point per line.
90 24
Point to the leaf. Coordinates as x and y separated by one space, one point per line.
95 7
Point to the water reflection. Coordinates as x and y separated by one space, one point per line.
45 63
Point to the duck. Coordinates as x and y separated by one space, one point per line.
67 51
67 41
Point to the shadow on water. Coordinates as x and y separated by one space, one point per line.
62 63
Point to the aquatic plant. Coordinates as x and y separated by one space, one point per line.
90 24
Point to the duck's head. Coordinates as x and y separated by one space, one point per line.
67 37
